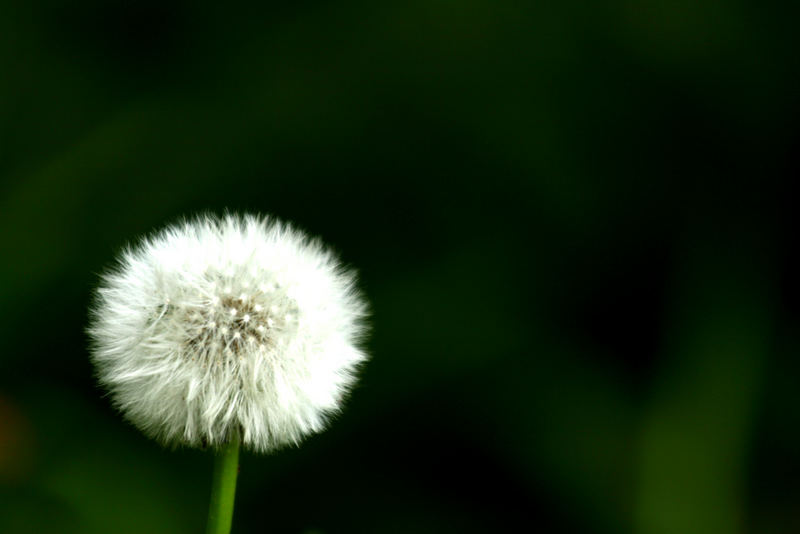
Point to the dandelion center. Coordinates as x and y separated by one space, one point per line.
231 326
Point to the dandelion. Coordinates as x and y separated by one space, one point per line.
221 331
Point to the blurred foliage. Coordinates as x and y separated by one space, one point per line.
572 221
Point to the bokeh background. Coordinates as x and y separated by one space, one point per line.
574 222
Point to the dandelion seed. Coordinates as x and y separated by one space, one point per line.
190 363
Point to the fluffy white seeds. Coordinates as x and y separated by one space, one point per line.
215 326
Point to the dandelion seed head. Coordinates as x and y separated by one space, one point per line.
222 325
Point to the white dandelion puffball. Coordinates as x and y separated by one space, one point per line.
223 325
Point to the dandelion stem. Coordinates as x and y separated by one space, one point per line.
223 487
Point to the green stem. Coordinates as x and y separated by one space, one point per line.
223 487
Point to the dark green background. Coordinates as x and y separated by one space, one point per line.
573 221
